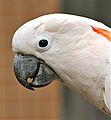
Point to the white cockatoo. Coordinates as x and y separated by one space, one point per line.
72 49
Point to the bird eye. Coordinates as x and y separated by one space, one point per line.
43 43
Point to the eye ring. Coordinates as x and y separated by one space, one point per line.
43 43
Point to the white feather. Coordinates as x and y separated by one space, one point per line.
81 57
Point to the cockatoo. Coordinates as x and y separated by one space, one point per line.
72 49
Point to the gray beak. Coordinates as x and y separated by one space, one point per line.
26 67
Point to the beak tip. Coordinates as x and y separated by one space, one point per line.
31 88
27 85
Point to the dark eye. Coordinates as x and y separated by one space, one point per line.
43 43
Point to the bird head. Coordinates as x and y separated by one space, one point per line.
45 46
